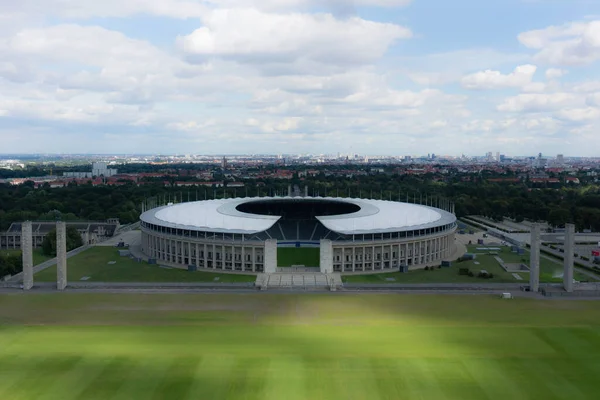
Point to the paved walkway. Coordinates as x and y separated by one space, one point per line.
298 280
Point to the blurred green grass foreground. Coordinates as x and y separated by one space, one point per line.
317 346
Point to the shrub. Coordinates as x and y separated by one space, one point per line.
585 258
439 267
464 271
471 274
426 268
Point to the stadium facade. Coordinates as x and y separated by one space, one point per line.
354 235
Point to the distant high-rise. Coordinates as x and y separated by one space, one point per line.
560 159
224 164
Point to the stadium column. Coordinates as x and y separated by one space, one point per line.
373 257
243 257
189 252
270 258
326 256
27 254
534 267
343 259
253 259
214 256
223 256
569 257
61 255
353 258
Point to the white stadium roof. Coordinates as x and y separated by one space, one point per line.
374 216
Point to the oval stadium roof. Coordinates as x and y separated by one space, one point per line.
374 216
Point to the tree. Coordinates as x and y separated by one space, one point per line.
559 216
73 241
10 264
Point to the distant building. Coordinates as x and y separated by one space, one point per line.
98 169
91 232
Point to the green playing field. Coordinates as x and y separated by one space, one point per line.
265 346
307 256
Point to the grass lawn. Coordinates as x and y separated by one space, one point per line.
94 263
548 272
265 346
38 257
307 256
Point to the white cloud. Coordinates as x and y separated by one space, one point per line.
579 114
555 73
106 8
489 79
535 87
531 102
571 44
88 45
255 36
342 5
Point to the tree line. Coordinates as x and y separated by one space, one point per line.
477 196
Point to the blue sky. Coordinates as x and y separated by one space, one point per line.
393 77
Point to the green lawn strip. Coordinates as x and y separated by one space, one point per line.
438 347
307 256
442 275
94 263
550 270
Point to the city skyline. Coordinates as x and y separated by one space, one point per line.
380 77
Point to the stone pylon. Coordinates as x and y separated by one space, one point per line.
270 258
61 255
569 246
27 252
534 264
326 256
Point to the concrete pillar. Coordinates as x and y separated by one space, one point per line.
243 257
214 256
270 258
326 256
305 191
289 190
569 246
27 253
61 255
534 265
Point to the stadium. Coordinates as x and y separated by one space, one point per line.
245 234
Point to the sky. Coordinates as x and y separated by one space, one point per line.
376 77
